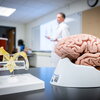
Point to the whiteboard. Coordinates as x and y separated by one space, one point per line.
39 42
35 38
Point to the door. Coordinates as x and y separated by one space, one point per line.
11 38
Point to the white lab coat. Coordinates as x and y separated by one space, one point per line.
61 32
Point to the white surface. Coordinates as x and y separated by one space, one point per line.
68 74
24 15
40 60
19 83
3 38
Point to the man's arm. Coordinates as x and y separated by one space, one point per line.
51 39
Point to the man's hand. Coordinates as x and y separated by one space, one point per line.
54 40
48 37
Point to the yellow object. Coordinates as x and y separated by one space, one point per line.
11 60
11 64
6 55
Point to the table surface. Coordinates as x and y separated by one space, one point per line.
51 92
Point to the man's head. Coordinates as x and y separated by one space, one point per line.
60 17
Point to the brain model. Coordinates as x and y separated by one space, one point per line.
81 49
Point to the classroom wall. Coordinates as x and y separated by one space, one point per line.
91 21
75 7
20 29
24 31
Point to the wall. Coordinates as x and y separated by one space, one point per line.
20 29
91 21
74 7
35 39
25 31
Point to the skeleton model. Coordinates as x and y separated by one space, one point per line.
11 62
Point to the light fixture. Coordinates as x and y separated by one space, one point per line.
4 11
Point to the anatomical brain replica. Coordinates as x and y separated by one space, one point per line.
81 49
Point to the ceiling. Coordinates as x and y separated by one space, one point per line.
28 10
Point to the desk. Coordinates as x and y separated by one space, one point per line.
51 92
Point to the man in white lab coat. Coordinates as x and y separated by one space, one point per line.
61 32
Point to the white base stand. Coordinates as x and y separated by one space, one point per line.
19 83
68 74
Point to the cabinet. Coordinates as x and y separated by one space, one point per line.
3 43
40 59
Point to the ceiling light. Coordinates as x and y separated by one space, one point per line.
4 11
